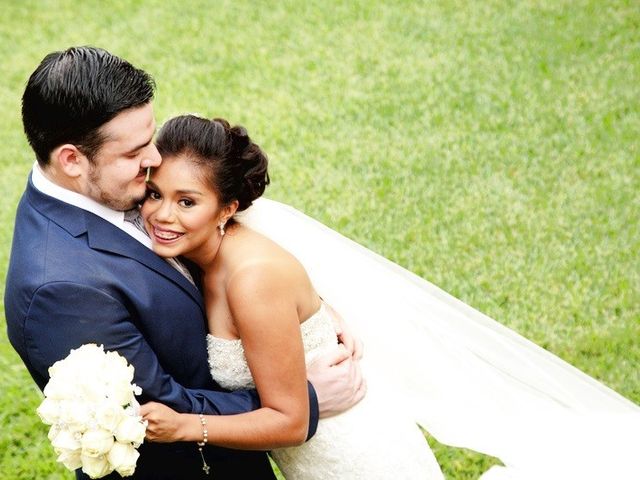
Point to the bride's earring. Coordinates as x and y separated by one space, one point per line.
221 228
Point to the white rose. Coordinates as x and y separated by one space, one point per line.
86 358
136 390
118 367
117 364
134 408
58 389
131 430
121 392
92 387
108 415
49 411
96 467
96 442
70 458
123 458
75 415
53 432
61 368
65 440
117 376
54 369
89 354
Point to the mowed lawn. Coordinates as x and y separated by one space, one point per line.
490 147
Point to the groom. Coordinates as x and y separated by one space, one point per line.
81 272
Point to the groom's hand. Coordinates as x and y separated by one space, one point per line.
337 380
346 337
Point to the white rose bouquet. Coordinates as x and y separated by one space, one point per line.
90 405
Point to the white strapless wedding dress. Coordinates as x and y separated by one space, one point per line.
468 380
373 440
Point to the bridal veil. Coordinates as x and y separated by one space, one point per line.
468 380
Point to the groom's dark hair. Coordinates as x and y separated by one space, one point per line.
71 94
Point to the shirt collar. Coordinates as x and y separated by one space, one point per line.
47 187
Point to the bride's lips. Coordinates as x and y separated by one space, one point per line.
165 236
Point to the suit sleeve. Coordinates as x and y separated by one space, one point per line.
73 314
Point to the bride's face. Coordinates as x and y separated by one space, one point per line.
181 212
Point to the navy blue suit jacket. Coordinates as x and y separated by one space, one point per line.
74 278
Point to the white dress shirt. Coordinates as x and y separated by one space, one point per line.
115 217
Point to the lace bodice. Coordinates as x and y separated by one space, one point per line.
228 364
370 441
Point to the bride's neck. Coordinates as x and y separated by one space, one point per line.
208 256
212 255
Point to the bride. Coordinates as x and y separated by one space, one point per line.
430 358
266 320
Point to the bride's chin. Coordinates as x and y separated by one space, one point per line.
166 251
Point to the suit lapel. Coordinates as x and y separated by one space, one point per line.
104 236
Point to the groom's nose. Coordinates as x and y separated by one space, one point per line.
151 157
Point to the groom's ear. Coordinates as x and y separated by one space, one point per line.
69 160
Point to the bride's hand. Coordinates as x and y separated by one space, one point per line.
163 423
351 342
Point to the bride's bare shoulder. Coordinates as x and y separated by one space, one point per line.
256 247
261 258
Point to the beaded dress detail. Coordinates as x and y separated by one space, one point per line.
372 440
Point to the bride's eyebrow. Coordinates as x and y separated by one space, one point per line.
189 192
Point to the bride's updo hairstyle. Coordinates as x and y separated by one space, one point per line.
235 167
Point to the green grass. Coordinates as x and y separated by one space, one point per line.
490 147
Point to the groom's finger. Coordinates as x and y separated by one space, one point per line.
360 392
336 356
358 384
357 348
345 335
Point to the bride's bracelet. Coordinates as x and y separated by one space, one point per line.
205 438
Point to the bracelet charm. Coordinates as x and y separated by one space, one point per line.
205 438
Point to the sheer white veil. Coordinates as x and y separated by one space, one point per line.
465 378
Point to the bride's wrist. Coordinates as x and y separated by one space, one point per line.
189 428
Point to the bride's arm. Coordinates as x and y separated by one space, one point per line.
265 314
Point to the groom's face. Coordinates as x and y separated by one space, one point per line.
116 176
